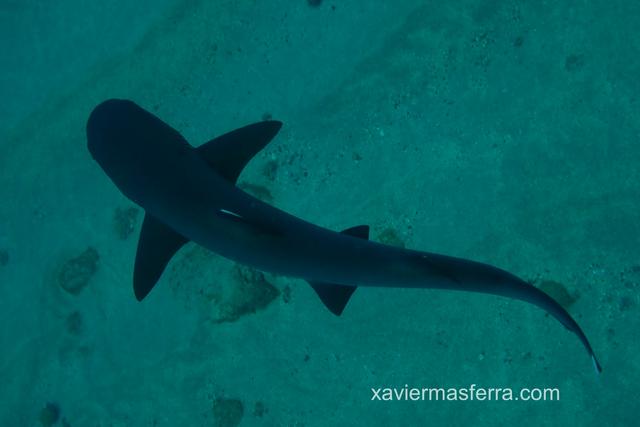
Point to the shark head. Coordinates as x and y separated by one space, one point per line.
133 147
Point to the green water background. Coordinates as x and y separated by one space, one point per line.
502 131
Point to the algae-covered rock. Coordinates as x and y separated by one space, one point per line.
251 292
227 412
390 237
75 274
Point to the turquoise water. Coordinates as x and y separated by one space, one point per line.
505 132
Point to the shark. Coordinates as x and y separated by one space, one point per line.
189 194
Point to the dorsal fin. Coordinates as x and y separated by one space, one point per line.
228 154
157 244
335 297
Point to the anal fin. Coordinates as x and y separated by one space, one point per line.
334 296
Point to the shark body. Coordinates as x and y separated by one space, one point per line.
189 194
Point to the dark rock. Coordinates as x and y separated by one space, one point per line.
4 257
518 41
227 412
259 410
49 415
74 323
286 294
626 303
574 63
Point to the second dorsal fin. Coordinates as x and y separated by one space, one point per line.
228 154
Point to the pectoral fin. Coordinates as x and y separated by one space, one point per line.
157 244
335 297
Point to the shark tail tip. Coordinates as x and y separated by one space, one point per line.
596 365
